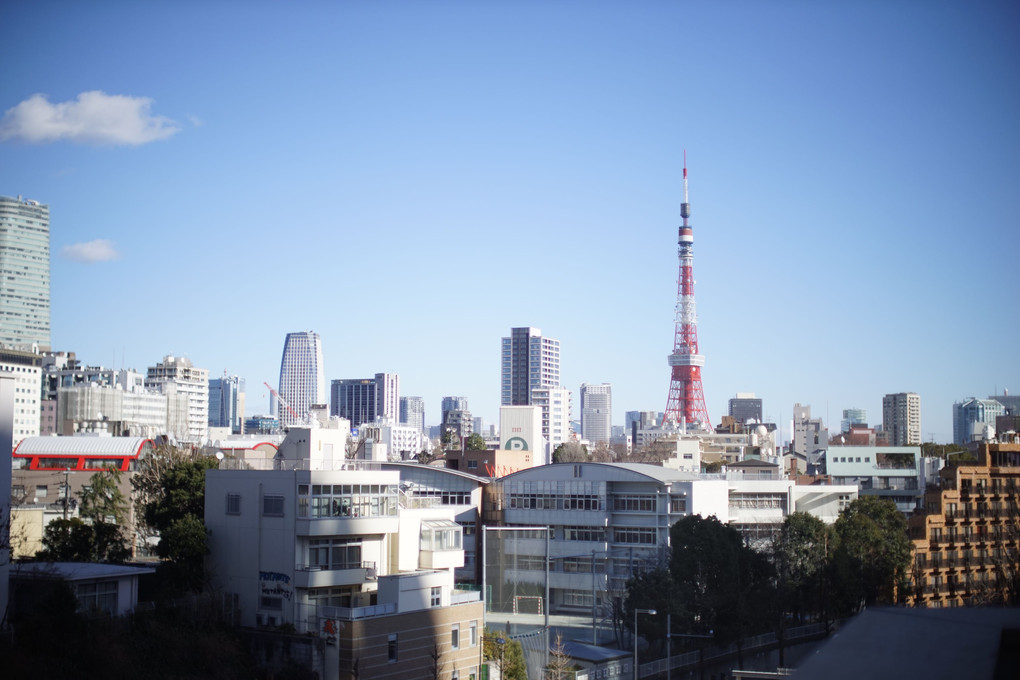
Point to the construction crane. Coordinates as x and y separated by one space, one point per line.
293 413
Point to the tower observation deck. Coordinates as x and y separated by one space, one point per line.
686 401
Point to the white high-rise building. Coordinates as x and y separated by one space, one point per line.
528 361
597 412
175 376
302 377
901 418
555 403
24 274
25 368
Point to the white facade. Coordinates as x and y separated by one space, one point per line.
520 429
901 418
403 442
290 543
620 514
556 406
302 377
24 368
597 412
176 376
809 434
142 413
893 472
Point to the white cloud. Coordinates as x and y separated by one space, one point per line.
99 250
93 118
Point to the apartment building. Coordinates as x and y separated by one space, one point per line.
967 541
363 554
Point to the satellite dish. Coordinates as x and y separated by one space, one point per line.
219 455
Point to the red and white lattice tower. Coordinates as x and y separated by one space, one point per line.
686 402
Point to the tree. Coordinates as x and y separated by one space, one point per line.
476 442
724 585
602 453
74 540
871 558
102 500
438 665
507 654
560 666
570 452
175 509
799 553
656 590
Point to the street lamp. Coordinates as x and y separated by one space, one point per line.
636 612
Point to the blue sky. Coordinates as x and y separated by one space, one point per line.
412 179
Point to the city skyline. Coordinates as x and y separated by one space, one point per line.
513 155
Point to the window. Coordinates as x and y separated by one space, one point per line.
272 505
335 553
437 596
391 648
472 465
273 603
455 636
40 491
677 504
234 504
640 535
97 597
474 633
597 534
634 503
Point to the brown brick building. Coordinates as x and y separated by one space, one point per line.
967 540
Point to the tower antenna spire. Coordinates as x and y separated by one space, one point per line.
685 404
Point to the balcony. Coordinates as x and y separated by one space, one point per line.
317 576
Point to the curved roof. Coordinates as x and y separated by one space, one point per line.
435 469
658 473
80 446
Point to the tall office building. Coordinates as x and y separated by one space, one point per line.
362 400
745 407
24 273
226 403
597 412
970 417
302 377
854 416
412 412
901 418
528 361
176 377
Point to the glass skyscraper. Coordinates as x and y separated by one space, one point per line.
226 403
302 377
24 273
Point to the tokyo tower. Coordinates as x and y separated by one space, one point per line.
686 402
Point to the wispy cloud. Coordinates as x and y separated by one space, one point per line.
99 250
92 118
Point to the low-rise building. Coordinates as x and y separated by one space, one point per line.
894 472
364 554
608 521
